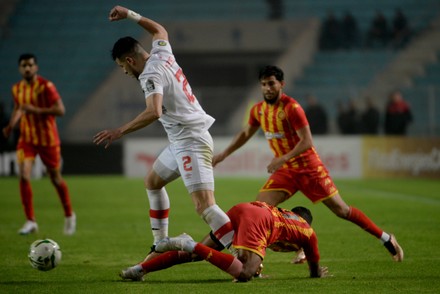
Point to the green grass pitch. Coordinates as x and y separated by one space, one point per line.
113 233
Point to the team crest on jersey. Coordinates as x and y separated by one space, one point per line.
281 115
149 85
162 43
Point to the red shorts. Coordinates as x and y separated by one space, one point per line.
50 155
314 182
252 225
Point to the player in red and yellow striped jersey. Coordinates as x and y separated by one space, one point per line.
36 104
257 226
296 165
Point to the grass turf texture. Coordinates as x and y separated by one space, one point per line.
113 233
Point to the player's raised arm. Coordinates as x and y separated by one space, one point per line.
155 29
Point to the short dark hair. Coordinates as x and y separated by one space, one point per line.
271 70
303 212
123 46
26 56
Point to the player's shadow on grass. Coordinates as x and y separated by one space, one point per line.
180 281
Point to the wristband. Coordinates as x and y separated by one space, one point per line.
134 16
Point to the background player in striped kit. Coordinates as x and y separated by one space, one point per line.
296 165
169 99
36 104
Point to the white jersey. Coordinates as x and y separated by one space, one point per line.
182 115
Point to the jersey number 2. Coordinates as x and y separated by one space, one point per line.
187 163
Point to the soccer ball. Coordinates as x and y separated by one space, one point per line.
44 255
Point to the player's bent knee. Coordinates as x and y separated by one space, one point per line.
25 178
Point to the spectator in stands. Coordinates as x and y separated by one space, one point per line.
350 31
330 38
398 114
370 118
348 118
275 9
340 117
378 34
317 116
401 31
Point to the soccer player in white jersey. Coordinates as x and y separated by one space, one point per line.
170 100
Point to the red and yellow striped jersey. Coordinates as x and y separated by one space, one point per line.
259 225
279 123
35 129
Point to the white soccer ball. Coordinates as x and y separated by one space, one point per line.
44 255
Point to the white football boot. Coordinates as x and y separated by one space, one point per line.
134 273
183 242
28 227
70 225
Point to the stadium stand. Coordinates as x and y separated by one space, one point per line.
343 75
338 76
72 40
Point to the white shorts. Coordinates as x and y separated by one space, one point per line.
191 159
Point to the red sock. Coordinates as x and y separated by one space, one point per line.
26 199
63 194
358 217
166 260
226 262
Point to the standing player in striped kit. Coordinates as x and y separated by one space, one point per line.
36 104
296 165
169 99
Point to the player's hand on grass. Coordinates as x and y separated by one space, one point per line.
107 136
118 13
323 272
317 271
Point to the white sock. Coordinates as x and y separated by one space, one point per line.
220 224
385 237
159 209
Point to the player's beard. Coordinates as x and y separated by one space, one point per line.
272 100
29 76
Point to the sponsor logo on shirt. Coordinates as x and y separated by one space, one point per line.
270 135
162 43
